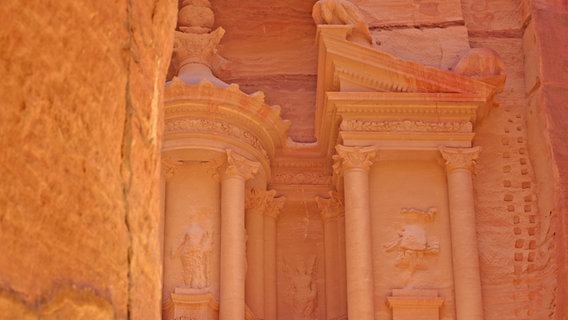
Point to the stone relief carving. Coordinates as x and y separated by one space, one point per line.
303 292
302 178
412 243
194 254
201 125
406 126
341 12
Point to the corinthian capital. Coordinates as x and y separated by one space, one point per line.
169 166
460 158
331 207
354 157
238 165
274 205
258 199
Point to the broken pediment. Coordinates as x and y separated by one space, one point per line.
367 96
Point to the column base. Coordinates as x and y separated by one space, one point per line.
187 303
407 304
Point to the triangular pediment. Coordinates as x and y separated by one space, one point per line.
367 96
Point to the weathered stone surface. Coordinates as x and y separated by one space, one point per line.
82 97
410 12
430 46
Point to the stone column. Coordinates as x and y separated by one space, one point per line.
332 210
355 163
167 171
273 207
467 283
233 235
255 204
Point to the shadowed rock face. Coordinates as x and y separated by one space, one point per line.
80 140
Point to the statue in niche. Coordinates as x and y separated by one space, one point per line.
193 253
303 291
341 12
412 244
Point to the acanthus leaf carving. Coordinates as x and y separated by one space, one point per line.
332 207
240 166
353 157
460 158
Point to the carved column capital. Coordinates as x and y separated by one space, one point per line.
240 166
258 199
353 157
169 166
460 158
273 206
331 207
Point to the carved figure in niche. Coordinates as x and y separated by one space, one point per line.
303 291
194 253
341 12
412 244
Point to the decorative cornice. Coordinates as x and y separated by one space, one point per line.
406 126
353 157
460 158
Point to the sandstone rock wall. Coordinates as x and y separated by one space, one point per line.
80 139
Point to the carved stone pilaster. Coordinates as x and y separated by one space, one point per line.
169 166
353 157
332 207
460 158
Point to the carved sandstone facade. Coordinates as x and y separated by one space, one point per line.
322 160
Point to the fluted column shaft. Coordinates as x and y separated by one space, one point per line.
467 282
233 236
355 163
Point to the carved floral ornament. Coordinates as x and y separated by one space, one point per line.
353 157
233 165
406 126
460 158
332 207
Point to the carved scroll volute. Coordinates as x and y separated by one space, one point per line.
460 158
353 157
332 207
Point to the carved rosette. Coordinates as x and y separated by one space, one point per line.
332 207
460 158
353 157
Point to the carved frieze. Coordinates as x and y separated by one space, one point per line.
312 178
406 126
189 125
